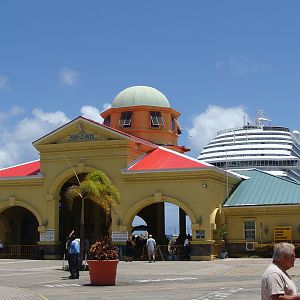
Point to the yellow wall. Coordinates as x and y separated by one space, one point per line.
270 217
200 193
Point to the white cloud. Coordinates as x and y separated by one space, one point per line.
3 83
106 106
16 142
242 65
91 113
215 118
69 76
57 118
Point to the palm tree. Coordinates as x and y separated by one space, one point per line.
97 187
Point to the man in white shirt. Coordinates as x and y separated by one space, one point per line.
151 245
276 283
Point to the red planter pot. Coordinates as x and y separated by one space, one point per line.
103 272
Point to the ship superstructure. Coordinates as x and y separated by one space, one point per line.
274 149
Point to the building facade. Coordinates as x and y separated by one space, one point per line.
137 147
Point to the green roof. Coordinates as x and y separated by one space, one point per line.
263 189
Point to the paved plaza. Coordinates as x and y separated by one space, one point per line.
193 280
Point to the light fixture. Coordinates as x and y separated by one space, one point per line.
266 229
45 223
204 185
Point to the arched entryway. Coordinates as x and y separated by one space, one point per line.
167 223
70 211
20 226
19 232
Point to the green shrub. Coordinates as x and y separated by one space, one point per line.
264 250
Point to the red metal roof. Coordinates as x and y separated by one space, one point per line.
26 169
163 159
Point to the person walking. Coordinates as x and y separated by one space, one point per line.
151 247
129 248
74 253
187 247
276 283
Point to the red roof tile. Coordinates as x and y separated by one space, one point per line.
26 169
163 159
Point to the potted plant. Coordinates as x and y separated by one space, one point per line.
102 262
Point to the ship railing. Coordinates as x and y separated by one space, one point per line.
274 128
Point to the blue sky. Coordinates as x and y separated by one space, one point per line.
216 61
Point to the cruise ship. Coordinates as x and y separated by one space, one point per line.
274 149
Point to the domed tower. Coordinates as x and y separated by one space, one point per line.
145 112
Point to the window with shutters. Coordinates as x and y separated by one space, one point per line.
156 119
125 120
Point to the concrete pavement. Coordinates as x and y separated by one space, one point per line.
8 293
220 279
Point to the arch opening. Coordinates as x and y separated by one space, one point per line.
70 212
18 226
167 223
164 220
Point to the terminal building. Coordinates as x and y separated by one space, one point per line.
137 147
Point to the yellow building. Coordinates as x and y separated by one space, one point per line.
137 147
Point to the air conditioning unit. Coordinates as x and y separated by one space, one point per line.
250 246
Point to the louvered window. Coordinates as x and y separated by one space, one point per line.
176 126
156 119
125 120
107 121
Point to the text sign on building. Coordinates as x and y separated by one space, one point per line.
200 234
81 136
49 236
119 236
282 234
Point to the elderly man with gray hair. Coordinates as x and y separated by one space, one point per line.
276 283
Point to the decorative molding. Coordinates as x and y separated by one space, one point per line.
81 166
157 197
42 229
11 200
50 197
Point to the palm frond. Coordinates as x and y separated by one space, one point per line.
97 187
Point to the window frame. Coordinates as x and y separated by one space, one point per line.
156 119
125 119
249 233
107 121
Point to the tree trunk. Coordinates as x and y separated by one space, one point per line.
81 232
